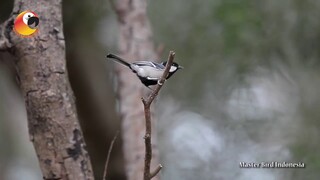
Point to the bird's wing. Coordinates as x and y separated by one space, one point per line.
158 66
150 64
152 78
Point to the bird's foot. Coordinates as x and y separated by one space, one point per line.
160 83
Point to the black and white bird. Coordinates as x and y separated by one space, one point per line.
148 72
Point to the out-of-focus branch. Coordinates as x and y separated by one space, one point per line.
108 156
147 103
135 43
160 50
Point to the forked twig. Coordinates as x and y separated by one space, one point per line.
147 103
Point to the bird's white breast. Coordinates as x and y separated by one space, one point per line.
146 71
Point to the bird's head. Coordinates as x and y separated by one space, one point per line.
174 68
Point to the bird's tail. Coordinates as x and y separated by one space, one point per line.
118 59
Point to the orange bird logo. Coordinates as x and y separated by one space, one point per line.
26 24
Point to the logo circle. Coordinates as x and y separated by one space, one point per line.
26 24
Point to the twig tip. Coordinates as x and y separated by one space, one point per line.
156 171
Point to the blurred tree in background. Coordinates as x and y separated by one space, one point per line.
249 90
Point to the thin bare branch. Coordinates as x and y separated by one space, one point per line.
160 49
148 148
108 156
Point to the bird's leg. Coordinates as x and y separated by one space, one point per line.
160 82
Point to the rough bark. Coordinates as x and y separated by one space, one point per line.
135 43
52 118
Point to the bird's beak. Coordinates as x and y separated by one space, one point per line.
180 67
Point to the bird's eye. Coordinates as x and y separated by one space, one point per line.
26 17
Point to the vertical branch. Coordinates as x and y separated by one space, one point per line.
147 175
147 140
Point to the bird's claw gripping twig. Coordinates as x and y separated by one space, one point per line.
160 83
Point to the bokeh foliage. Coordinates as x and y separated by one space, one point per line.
251 68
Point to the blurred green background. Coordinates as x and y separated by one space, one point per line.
249 91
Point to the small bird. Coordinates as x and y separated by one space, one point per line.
148 72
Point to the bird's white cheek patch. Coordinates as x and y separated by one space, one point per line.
173 68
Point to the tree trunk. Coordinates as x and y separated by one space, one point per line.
52 118
135 43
